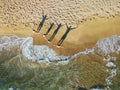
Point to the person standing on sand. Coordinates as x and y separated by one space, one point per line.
44 17
55 32
51 25
65 35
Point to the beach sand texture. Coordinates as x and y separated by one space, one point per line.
70 11
95 19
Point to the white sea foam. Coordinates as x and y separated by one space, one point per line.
104 48
11 46
108 45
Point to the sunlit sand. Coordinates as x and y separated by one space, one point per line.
88 66
85 36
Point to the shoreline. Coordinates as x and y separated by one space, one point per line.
85 36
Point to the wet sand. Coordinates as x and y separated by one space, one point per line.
85 36
96 19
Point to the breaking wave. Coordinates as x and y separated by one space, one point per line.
12 46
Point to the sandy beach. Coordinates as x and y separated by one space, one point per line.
85 36
94 19
63 11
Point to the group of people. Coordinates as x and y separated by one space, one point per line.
69 28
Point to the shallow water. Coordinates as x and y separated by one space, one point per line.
15 52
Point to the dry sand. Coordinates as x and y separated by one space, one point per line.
70 11
96 19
